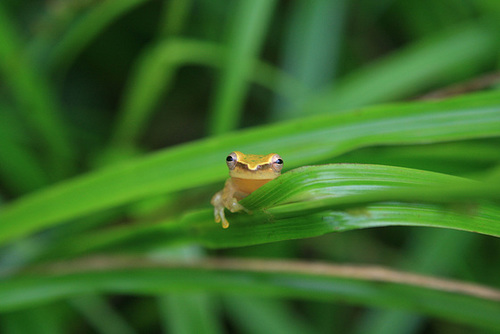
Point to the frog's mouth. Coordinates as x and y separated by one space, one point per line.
251 167
254 172
248 186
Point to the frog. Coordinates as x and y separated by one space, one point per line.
247 173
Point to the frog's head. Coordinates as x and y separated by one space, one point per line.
254 166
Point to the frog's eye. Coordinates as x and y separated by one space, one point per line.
231 160
277 163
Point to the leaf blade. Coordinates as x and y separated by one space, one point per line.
300 141
266 278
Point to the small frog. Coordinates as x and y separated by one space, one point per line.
247 172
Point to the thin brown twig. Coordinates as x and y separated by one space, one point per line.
357 272
461 88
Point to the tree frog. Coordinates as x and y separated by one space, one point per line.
247 172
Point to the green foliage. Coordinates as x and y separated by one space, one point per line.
105 165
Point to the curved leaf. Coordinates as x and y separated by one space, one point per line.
421 65
154 73
299 142
89 26
357 285
246 34
35 98
324 199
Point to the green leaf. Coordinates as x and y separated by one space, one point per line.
102 316
246 34
324 199
79 35
19 169
259 315
175 17
300 141
35 97
311 48
154 73
41 320
356 285
186 313
424 64
342 184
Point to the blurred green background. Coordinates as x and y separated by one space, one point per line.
93 90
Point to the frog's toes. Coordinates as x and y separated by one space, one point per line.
234 206
221 217
218 214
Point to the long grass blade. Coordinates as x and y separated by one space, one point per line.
246 35
155 71
457 301
311 49
408 71
301 141
335 199
78 36
19 169
35 98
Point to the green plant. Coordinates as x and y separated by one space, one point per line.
92 209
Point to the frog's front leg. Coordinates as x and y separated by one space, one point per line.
218 204
225 199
